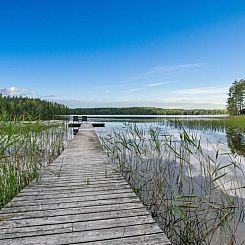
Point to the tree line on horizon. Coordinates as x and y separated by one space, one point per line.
145 111
24 107
236 98
45 110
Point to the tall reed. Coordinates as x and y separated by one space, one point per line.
25 148
187 189
235 122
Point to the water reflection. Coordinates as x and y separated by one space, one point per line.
75 131
236 140
235 137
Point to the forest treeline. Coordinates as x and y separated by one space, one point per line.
236 98
30 108
144 111
41 109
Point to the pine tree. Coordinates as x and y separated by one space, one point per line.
236 98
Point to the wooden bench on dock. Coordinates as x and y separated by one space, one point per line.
79 199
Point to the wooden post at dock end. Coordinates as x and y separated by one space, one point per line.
75 118
84 118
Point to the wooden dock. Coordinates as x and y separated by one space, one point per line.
79 124
79 199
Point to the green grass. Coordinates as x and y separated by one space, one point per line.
186 189
25 148
233 122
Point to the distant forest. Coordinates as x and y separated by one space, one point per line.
144 111
41 109
30 108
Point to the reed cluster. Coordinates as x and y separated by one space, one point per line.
234 122
188 189
25 148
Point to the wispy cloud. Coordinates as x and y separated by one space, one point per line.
157 102
193 101
14 91
175 68
205 90
152 84
155 84
50 96
160 71
133 90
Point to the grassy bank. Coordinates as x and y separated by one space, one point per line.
25 148
188 190
233 122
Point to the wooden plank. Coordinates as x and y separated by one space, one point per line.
52 191
67 211
82 184
75 226
81 174
55 206
151 239
83 198
41 221
47 193
88 236
70 194
80 198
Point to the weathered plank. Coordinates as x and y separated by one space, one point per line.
67 211
24 208
52 192
78 199
75 226
89 235
41 221
83 198
45 193
71 194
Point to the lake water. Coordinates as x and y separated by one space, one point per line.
228 140
233 139
225 140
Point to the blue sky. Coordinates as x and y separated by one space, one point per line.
92 53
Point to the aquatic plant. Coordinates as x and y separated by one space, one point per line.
25 148
193 193
218 124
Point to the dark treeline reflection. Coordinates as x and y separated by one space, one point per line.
236 140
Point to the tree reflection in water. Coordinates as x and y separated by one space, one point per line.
236 140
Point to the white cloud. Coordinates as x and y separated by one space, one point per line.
175 68
145 86
50 96
155 84
161 72
157 102
204 97
13 91
133 90
206 90
195 97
